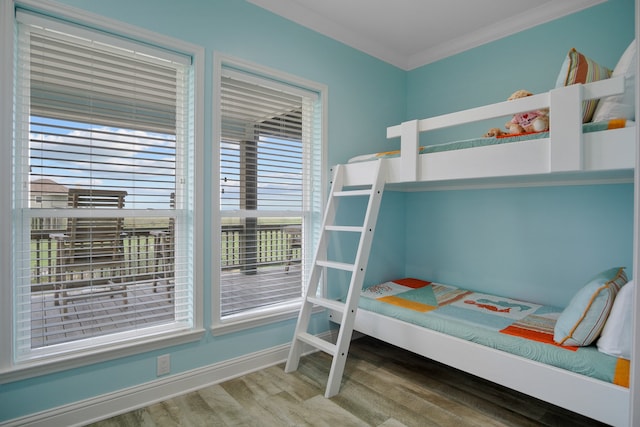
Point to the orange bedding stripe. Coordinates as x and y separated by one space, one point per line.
412 283
387 153
535 336
510 135
621 376
413 305
617 123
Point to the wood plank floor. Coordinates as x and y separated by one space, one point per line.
382 386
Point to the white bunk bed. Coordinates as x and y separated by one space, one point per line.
565 155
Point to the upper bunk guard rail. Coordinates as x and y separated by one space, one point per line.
359 176
565 130
348 305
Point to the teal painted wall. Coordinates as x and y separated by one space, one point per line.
437 237
539 243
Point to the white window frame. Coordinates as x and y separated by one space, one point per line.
9 369
283 311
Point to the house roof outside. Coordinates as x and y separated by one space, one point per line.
47 186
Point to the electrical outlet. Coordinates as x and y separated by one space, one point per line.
163 366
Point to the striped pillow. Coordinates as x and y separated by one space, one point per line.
582 321
577 68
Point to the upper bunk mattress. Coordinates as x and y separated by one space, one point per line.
485 141
518 327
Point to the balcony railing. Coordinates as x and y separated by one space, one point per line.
273 247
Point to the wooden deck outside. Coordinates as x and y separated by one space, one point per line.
92 315
268 286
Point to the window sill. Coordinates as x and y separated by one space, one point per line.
259 317
105 353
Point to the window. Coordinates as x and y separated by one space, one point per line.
270 189
103 190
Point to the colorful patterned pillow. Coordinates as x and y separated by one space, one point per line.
582 321
577 68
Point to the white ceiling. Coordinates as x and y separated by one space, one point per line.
412 33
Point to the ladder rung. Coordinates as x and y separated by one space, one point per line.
318 343
354 229
336 265
327 303
352 193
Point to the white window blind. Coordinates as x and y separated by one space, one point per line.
103 158
268 169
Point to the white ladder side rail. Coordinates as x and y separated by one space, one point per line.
348 309
357 279
302 325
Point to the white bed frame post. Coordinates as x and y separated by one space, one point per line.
634 385
409 139
565 129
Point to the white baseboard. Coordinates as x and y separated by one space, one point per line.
122 401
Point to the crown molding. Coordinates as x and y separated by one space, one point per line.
529 19
293 11
549 11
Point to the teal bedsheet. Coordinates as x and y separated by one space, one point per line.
517 327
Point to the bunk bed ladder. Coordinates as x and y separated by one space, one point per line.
345 309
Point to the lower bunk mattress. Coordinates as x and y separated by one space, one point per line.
518 327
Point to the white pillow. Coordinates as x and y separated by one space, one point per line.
623 105
616 336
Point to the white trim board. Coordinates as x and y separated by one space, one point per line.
119 402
